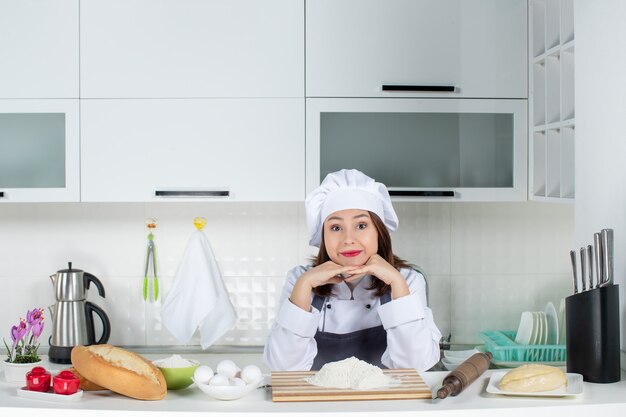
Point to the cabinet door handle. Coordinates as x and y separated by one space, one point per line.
412 193
192 193
423 88
1 194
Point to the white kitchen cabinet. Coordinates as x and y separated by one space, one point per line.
551 99
194 149
192 48
422 149
39 150
354 47
39 49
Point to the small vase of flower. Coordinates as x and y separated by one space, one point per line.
23 355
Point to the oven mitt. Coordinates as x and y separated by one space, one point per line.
198 297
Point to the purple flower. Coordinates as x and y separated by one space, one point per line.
17 332
34 316
24 348
37 329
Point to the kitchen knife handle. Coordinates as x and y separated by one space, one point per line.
572 255
583 268
419 88
192 193
597 246
607 246
415 193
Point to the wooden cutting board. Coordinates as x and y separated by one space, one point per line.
292 386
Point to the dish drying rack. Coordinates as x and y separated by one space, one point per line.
501 343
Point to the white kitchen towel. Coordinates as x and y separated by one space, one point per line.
198 298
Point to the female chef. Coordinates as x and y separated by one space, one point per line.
357 299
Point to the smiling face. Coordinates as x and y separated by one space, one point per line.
350 237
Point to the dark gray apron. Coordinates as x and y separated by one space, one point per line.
367 344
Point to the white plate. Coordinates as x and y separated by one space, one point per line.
542 328
228 392
456 355
49 396
525 330
562 322
574 387
553 324
450 366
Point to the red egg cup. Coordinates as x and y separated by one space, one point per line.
65 383
38 379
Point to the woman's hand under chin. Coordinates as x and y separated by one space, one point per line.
384 271
327 273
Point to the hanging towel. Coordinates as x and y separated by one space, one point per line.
198 298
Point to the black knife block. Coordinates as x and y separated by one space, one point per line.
592 334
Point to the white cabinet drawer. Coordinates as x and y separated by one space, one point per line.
192 48
251 148
39 49
354 47
39 150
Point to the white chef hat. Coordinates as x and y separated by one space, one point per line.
347 189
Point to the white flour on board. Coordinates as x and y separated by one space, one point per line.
350 373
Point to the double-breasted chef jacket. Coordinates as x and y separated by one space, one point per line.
412 336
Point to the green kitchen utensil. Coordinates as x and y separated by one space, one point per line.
151 256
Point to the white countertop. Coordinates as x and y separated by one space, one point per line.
608 399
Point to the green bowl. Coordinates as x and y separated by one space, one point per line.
178 378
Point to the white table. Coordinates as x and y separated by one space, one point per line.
596 400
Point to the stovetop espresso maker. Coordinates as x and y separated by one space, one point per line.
72 315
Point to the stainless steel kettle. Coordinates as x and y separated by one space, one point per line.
72 284
72 315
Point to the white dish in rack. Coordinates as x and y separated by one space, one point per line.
553 324
574 387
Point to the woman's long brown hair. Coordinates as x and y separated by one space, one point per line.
384 251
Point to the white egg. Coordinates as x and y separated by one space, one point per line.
251 373
203 374
237 382
219 380
227 368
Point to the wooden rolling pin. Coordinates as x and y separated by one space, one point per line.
466 373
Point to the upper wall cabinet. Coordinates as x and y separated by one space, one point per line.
194 149
192 48
39 150
474 48
38 49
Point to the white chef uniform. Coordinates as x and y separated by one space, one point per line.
412 338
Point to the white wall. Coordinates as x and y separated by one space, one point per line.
600 139
485 262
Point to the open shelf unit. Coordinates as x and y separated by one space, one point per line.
552 114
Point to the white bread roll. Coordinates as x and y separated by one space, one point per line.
533 378
120 370
85 384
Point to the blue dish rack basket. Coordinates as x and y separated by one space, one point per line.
501 344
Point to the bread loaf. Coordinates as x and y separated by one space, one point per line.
120 370
85 384
533 378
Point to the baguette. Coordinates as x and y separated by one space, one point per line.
120 370
85 384
533 378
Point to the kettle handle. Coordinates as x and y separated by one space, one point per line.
90 308
87 278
